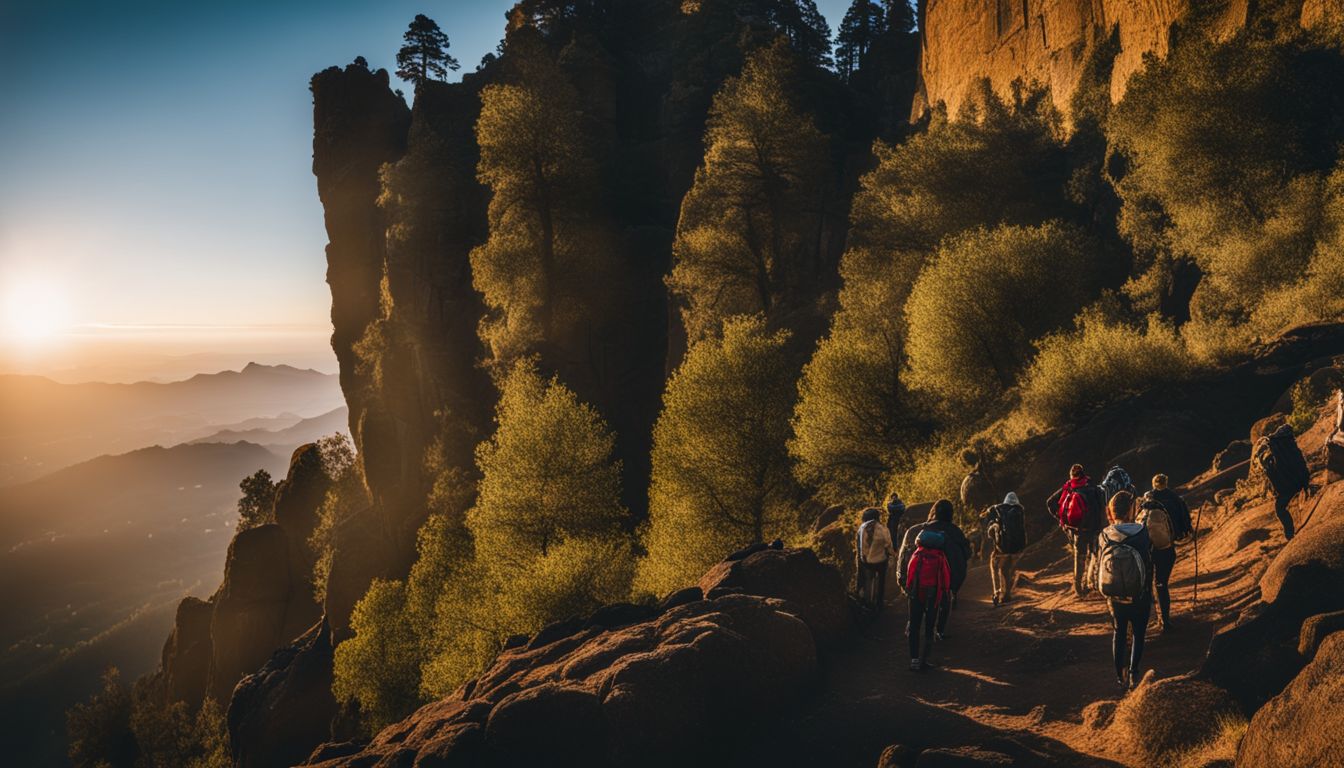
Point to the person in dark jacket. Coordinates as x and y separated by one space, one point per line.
1287 473
895 513
956 547
1164 560
1129 615
1083 539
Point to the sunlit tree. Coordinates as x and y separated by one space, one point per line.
721 474
749 236
986 296
257 506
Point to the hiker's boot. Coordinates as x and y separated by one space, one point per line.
915 665
996 601
1132 679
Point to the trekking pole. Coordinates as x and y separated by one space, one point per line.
1307 519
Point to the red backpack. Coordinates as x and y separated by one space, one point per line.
928 570
1072 505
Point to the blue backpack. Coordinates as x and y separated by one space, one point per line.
1116 480
931 539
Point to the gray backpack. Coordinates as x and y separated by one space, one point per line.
1120 571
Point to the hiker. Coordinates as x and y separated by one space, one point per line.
1278 456
927 582
1334 445
1006 530
1079 509
1125 579
895 513
873 548
1167 517
956 548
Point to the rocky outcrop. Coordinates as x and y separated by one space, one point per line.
1163 717
1300 727
666 690
1050 41
186 655
813 590
280 712
263 603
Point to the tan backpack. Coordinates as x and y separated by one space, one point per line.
1153 515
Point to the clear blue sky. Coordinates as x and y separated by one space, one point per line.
155 157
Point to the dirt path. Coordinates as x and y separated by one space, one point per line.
1022 679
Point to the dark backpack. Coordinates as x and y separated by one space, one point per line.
1278 456
1008 529
1120 570
1117 479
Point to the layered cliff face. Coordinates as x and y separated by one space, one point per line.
1049 41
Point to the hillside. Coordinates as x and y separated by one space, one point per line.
45 425
290 435
94 557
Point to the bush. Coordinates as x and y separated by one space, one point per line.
1098 363
346 495
380 665
1309 397
986 297
721 472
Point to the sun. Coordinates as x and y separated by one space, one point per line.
34 310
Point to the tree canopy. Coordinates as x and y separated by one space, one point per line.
424 56
721 472
986 296
749 237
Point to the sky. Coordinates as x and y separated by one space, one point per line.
157 200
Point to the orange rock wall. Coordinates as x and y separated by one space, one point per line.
1048 41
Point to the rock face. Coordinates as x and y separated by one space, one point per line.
279 712
1049 41
1300 727
662 691
187 654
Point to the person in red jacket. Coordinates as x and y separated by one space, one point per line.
927 582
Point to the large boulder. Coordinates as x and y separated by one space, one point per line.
961 757
1160 718
834 546
1302 726
281 712
667 691
186 654
814 591
299 496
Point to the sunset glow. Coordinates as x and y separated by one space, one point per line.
35 310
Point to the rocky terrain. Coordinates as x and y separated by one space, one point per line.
762 662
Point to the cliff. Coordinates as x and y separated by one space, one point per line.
1050 41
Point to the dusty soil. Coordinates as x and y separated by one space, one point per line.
1033 679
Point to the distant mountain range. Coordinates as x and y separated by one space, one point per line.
46 425
289 436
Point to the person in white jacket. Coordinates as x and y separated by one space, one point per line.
873 549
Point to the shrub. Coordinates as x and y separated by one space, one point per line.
1097 363
99 728
380 665
987 296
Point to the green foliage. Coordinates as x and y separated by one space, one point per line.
998 162
721 475
748 239
976 309
380 665
346 495
257 506
1310 396
545 541
855 420
1222 156
99 728
1098 363
424 56
544 251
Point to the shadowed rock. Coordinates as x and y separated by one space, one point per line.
279 713
1300 726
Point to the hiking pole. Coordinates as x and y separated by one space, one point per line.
1319 496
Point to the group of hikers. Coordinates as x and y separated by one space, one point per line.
1124 543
